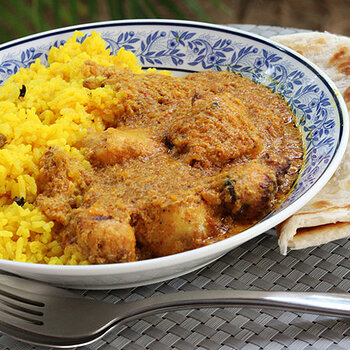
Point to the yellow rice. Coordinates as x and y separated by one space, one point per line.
54 111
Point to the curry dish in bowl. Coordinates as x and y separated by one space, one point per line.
182 163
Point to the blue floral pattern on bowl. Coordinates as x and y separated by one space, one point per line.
186 48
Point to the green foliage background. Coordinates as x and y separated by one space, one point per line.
21 17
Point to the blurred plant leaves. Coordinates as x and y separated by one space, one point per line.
24 17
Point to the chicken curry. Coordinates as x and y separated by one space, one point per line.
183 162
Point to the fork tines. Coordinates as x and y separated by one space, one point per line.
14 304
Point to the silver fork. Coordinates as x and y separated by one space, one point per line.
40 314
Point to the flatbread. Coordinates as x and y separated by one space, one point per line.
327 216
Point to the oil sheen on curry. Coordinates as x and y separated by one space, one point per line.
182 163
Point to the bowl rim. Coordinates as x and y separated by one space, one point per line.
221 246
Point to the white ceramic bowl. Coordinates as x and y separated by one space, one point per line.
183 47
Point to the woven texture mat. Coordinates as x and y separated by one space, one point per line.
255 265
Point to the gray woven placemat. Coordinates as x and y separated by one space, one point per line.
255 265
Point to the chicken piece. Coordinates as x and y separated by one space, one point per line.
217 131
249 190
173 228
101 237
62 177
119 145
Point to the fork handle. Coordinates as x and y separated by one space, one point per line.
331 304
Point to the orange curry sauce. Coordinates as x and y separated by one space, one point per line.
183 162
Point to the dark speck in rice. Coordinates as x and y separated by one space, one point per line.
22 91
3 140
19 201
